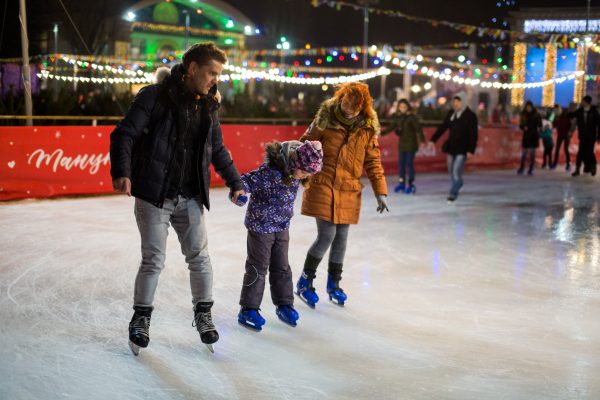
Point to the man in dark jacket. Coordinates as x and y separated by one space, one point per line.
588 127
161 154
463 126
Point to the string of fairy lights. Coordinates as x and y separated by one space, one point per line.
234 72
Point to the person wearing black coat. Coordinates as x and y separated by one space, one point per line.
588 128
531 124
463 127
563 124
161 154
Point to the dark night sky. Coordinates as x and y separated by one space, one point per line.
322 26
325 26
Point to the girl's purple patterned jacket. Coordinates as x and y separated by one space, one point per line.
271 204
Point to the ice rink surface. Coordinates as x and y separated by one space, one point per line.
494 297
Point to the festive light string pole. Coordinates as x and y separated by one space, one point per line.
580 65
517 96
549 72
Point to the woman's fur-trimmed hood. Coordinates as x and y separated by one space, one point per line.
326 118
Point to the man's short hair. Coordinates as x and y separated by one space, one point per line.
202 54
588 99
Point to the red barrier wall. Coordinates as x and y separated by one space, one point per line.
49 161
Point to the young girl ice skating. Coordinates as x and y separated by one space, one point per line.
273 188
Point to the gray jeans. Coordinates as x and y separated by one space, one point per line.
267 252
187 218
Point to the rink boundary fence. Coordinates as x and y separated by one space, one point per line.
94 119
57 161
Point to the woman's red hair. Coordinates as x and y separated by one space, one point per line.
358 94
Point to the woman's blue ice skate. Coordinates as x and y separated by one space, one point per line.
306 291
336 294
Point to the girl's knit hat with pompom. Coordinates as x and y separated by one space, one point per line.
308 157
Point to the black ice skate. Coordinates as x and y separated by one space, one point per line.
139 329
204 325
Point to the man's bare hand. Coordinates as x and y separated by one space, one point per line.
122 185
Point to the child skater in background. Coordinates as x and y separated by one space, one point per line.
547 141
273 188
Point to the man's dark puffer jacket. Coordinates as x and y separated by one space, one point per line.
142 146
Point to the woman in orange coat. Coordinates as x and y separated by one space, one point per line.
347 126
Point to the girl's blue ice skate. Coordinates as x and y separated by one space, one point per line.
251 318
287 314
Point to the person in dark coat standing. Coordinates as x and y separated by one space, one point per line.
407 127
161 154
562 123
588 128
463 126
531 124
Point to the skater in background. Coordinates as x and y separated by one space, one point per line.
563 125
461 121
161 154
273 188
347 126
407 127
547 140
531 124
588 127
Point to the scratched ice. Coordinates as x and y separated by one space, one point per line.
494 297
